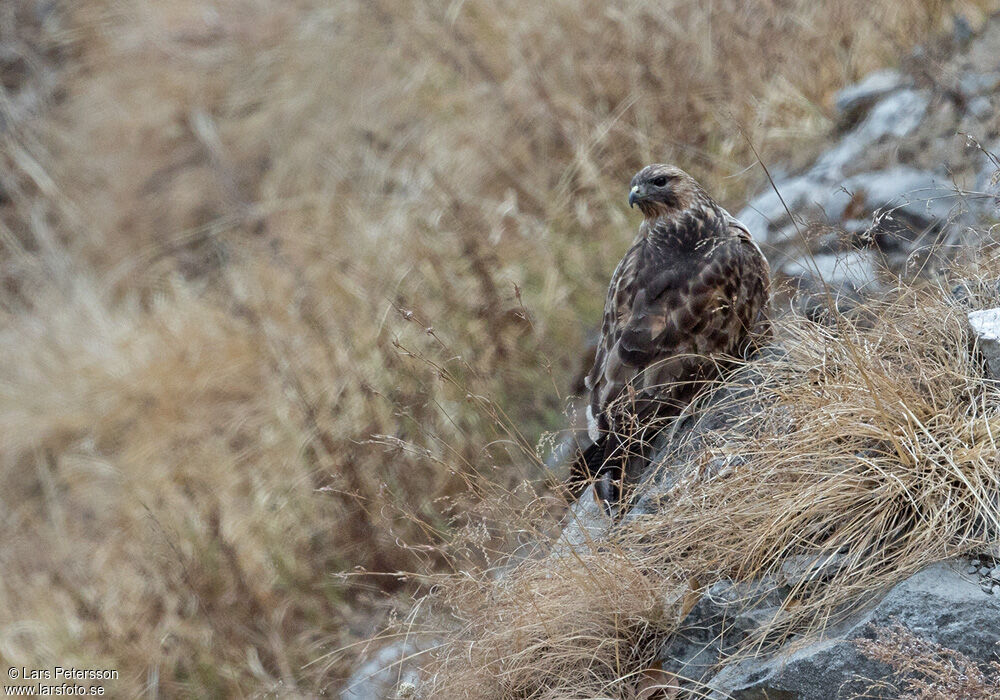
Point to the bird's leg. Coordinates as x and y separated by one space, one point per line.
609 482
607 488
629 446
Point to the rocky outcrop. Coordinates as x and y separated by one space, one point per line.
954 603
902 183
913 169
940 604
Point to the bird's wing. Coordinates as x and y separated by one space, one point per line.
677 306
738 228
645 320
656 314
608 372
755 283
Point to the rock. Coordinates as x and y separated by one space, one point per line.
703 442
812 568
895 165
894 116
937 604
980 107
897 179
917 193
861 95
971 84
766 212
969 294
826 282
986 327
585 524
724 615
391 672
962 31
855 269
988 177
903 197
885 191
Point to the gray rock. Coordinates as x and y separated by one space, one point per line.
937 604
883 180
985 326
962 31
988 177
971 84
901 191
766 212
810 568
724 615
897 162
585 524
854 269
715 423
863 94
980 107
917 193
894 116
387 671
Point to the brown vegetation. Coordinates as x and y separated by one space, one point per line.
290 289
927 671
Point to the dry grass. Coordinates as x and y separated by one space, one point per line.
227 230
928 671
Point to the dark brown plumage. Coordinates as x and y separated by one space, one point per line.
691 291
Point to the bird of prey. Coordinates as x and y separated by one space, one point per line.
691 291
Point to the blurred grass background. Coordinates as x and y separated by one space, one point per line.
280 280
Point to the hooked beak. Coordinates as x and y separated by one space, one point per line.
634 196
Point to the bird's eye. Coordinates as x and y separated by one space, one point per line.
660 181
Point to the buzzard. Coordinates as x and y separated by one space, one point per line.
690 292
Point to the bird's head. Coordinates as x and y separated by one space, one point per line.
661 189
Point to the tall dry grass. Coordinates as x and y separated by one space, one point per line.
290 289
